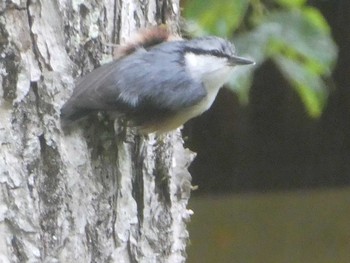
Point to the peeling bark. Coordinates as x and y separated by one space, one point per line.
91 195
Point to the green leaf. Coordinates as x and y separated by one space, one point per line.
305 34
307 83
217 17
300 44
240 83
305 52
291 3
316 18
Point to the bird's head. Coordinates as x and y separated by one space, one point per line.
212 59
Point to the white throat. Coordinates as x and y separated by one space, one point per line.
212 71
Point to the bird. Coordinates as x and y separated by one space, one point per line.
157 82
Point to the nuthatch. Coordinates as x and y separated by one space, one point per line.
157 85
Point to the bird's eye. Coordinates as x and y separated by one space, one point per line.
216 52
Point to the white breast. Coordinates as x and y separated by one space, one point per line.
213 72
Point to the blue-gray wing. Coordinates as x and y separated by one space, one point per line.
145 84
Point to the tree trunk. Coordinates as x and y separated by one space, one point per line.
93 194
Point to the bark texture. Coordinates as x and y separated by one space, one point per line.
93 194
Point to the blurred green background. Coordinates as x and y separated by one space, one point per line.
273 163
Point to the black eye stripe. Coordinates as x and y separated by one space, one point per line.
217 53
213 52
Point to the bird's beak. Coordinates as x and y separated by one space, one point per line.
235 60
